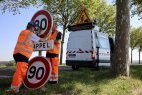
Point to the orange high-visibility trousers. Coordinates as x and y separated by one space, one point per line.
55 68
20 73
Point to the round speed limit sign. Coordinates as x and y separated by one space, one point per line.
44 20
38 72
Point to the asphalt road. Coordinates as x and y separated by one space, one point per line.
8 72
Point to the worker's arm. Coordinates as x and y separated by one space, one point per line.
59 37
35 38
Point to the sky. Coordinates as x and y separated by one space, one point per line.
11 25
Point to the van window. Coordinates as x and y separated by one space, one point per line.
103 42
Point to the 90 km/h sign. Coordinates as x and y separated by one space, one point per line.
38 72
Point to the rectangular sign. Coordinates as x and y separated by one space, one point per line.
43 46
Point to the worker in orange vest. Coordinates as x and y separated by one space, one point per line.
53 54
22 52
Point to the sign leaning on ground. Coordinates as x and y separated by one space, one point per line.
44 20
38 72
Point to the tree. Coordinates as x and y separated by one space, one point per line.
63 12
120 60
15 5
139 40
103 14
134 39
137 7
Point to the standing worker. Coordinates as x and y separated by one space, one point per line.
53 54
22 52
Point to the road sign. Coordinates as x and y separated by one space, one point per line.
43 19
82 18
44 46
38 72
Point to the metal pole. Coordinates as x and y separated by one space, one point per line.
40 53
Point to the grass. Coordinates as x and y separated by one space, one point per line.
87 82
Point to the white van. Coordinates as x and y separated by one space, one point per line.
87 46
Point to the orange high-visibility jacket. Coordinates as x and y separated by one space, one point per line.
56 49
24 45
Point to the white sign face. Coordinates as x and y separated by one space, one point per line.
44 45
44 21
36 72
41 21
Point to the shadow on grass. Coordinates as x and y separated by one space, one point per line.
70 79
136 71
72 82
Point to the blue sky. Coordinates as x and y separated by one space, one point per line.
11 25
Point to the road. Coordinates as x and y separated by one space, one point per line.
8 72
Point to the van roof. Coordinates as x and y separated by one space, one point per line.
84 26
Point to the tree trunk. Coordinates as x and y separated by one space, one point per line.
62 43
131 56
120 58
139 56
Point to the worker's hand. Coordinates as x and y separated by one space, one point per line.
43 39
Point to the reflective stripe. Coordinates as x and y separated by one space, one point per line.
15 88
23 43
53 77
25 40
23 49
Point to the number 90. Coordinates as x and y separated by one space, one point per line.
34 72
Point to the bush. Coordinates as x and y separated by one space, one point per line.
11 63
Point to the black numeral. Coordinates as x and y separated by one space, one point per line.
37 73
34 72
42 24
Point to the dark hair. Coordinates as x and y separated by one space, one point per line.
59 36
30 25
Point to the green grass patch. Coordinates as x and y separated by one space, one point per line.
87 81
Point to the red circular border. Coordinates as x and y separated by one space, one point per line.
50 21
45 78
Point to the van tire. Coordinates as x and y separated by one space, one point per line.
75 67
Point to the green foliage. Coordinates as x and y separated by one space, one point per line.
137 7
104 14
11 63
66 11
63 11
15 5
136 38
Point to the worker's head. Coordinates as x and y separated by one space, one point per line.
59 36
31 26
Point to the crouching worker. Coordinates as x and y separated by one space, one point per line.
53 54
22 52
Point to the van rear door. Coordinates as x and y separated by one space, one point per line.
79 46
